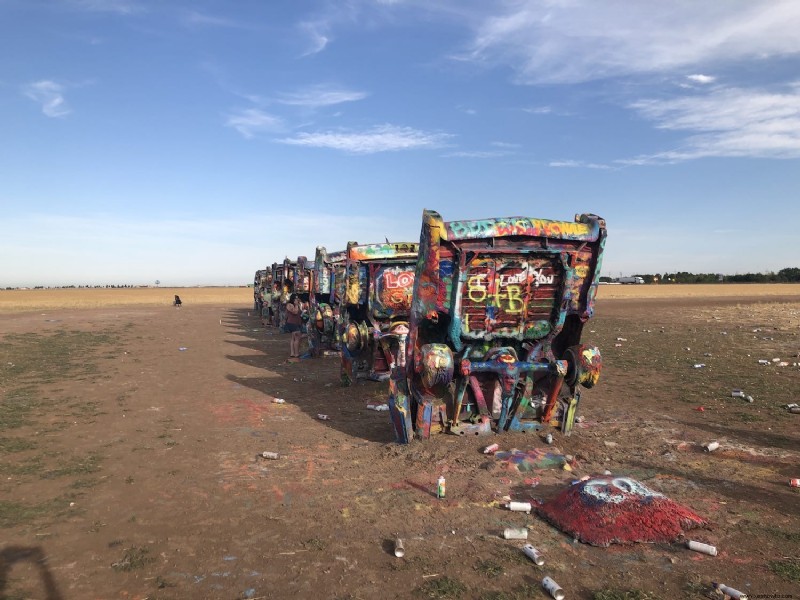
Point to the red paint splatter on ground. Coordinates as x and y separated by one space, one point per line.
618 510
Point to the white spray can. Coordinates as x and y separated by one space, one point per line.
515 533
701 547
533 554
553 588
730 592
520 507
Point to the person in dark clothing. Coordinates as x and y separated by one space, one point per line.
294 322
177 302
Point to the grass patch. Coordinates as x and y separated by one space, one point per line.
489 568
76 466
18 513
16 407
789 536
314 544
623 595
786 569
444 587
10 445
31 466
133 558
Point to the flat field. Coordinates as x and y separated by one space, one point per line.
129 435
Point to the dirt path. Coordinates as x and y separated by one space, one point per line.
129 466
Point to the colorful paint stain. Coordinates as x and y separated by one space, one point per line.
525 461
606 510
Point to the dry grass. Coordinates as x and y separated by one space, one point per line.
20 300
699 290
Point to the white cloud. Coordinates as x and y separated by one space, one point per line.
50 95
317 37
384 138
194 18
731 122
538 110
477 154
252 121
702 79
121 7
319 96
570 41
577 164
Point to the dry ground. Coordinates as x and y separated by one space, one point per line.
128 466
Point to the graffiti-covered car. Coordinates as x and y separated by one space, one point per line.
379 280
259 282
323 307
494 340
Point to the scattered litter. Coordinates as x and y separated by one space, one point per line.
441 487
711 446
622 339
580 419
707 354
182 348
605 510
750 399
763 361
699 365
776 360
794 409
737 394
533 554
687 349
515 533
700 409
270 455
491 449
519 507
278 401
701 547
794 483
553 588
548 439
378 407
617 345
322 417
783 364
399 549
729 591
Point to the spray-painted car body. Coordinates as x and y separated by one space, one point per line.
497 314
322 307
259 287
374 308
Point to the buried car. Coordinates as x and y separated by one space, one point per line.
495 326
374 309
323 305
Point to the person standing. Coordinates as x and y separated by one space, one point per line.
293 324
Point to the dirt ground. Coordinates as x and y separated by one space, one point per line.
129 440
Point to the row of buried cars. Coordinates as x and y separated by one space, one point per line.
477 327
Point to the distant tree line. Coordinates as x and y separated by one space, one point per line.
787 275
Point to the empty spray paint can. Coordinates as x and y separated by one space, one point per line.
711 446
278 401
553 588
270 455
549 438
701 547
794 483
520 506
440 487
399 550
533 554
491 449
729 591
322 417
515 533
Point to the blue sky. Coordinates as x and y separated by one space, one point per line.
194 142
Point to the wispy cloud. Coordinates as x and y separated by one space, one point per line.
252 121
570 41
319 96
317 36
50 95
120 7
577 164
731 122
701 79
384 138
477 154
195 18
